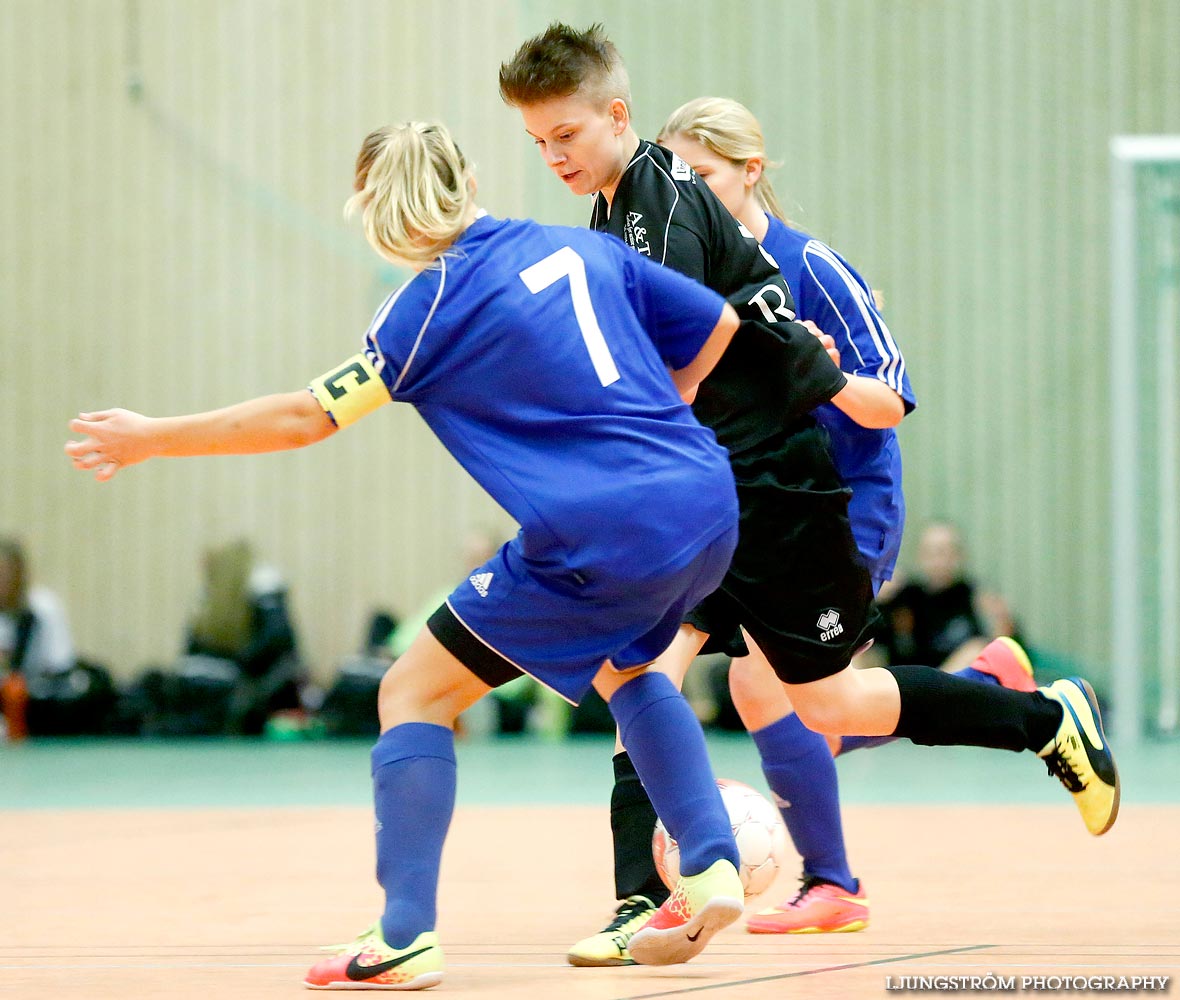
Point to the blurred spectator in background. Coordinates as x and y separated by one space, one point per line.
34 634
35 644
941 617
243 618
241 664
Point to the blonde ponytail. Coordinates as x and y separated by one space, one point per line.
414 189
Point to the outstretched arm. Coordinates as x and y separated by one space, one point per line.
113 439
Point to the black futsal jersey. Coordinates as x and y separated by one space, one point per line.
774 372
797 581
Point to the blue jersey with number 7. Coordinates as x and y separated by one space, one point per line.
539 356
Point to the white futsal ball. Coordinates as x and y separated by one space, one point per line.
757 828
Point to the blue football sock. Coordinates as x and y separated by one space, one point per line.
413 797
849 743
667 747
971 674
802 774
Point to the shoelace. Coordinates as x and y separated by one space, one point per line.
628 912
806 884
1061 767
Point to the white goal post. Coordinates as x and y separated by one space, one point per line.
1145 435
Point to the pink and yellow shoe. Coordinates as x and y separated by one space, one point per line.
368 963
698 908
1006 661
819 908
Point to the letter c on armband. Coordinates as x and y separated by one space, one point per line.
350 390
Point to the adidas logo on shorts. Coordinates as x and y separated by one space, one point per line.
481 582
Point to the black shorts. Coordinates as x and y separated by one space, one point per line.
798 583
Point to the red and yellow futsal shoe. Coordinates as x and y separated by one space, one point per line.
698 908
1006 661
819 908
368 963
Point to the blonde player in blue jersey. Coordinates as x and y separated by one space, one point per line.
540 357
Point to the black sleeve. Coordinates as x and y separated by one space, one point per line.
798 374
688 253
809 377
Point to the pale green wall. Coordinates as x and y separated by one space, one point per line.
186 248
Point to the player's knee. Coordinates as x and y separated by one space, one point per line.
393 702
829 716
756 689
406 695
743 686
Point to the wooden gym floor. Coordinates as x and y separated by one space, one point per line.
121 874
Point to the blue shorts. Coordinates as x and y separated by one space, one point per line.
512 616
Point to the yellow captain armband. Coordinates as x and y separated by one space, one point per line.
350 391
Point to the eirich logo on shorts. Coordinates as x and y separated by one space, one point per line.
829 625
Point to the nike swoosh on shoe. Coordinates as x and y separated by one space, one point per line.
1084 713
357 972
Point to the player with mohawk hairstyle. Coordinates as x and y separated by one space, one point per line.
797 584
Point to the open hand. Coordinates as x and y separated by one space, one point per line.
113 439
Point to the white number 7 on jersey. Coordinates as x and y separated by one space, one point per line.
567 263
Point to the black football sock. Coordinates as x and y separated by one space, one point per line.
940 709
632 821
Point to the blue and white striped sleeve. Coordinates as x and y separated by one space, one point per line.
840 303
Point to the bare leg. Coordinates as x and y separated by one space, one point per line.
853 702
427 684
